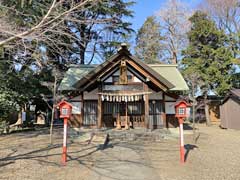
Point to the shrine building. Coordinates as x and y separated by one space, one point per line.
123 92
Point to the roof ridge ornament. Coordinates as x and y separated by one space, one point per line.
124 49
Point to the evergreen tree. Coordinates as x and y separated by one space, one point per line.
209 56
148 47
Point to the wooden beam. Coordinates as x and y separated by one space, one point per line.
126 116
146 106
99 119
123 73
147 75
164 117
99 115
87 82
172 95
81 109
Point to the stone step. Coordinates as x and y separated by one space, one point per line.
122 135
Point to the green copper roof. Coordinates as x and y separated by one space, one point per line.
172 74
74 73
169 72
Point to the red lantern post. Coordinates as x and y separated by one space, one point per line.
65 113
181 113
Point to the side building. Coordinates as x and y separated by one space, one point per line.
230 110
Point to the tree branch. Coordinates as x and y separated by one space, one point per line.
42 23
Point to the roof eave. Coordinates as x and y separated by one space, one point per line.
83 80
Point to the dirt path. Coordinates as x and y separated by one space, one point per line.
123 162
26 156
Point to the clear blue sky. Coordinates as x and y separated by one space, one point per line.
145 8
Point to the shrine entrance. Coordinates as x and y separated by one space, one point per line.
126 112
119 111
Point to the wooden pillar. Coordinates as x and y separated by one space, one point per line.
99 119
164 117
118 122
146 106
81 108
126 117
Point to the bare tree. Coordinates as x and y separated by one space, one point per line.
47 32
226 14
51 19
70 29
51 37
174 24
24 43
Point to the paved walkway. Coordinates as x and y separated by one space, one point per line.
122 162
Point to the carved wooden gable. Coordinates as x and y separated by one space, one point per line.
123 73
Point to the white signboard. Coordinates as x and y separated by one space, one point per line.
76 107
170 107
24 116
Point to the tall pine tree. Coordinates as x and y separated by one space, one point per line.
148 39
209 56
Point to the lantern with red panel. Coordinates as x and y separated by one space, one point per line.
181 109
181 113
65 109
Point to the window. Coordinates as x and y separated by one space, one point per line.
64 111
181 111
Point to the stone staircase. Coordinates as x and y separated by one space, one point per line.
123 135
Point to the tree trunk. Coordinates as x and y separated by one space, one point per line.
208 122
82 43
193 119
6 127
174 60
82 55
53 107
19 120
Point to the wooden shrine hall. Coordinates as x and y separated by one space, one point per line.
123 92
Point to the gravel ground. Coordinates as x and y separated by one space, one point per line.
215 157
27 156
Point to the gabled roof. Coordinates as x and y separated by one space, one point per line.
234 94
94 75
78 77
